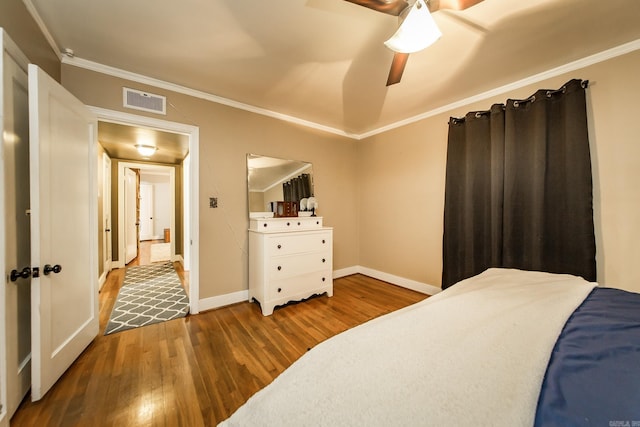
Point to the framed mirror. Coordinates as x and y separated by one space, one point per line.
271 180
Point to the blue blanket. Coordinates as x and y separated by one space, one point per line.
593 376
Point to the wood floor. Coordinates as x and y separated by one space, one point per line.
196 371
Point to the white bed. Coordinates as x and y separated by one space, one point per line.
475 354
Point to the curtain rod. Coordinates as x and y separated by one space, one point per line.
518 102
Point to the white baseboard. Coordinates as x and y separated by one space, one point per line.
343 272
240 296
222 300
178 258
400 281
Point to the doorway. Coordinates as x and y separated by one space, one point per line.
132 177
189 188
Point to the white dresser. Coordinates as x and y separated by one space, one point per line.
290 259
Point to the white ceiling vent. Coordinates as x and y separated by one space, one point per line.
144 101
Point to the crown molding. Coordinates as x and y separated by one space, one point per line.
571 66
139 78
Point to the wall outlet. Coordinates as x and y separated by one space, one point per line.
213 202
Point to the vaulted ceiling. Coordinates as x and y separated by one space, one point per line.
323 61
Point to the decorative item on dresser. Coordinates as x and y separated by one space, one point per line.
290 259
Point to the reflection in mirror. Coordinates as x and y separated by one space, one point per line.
270 179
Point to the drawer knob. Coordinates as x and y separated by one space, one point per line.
298 222
279 267
279 246
279 289
324 260
323 241
288 224
323 279
264 225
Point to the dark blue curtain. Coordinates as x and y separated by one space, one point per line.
518 188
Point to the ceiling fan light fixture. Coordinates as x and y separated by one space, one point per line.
146 150
417 31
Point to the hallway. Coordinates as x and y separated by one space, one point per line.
144 253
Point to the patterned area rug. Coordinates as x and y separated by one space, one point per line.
149 294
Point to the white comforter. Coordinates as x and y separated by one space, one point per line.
472 355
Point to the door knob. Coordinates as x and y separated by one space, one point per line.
55 269
24 274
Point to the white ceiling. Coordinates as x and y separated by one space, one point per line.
323 61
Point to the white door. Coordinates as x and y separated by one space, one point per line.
130 215
17 256
64 295
106 212
146 211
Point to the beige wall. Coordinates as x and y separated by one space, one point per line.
23 30
401 200
385 195
226 136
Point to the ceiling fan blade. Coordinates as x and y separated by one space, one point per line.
435 5
397 68
392 7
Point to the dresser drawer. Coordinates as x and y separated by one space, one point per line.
287 266
298 243
285 224
293 286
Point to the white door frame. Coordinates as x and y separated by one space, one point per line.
15 244
192 212
106 217
9 48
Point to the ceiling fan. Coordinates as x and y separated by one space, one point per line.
405 9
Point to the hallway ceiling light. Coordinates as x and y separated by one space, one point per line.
146 150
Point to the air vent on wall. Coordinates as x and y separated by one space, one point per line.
144 101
